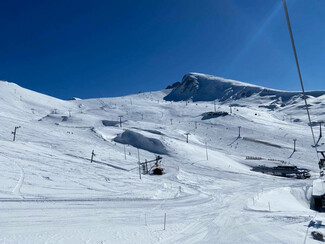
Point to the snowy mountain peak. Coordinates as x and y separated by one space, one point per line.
201 87
78 161
7 83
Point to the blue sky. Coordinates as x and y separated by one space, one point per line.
110 48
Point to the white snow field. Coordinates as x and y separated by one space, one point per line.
51 193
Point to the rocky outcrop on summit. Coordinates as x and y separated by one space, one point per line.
201 87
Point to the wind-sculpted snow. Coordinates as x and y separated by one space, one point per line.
139 141
201 87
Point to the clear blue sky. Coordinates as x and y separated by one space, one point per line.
111 48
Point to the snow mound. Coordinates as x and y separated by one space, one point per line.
156 132
137 140
201 87
283 199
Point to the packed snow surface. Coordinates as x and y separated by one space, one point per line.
51 193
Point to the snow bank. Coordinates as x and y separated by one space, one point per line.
283 199
156 132
137 140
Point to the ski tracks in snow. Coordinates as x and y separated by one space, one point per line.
20 182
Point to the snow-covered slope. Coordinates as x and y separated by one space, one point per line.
51 193
201 87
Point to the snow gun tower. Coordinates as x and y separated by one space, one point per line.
152 167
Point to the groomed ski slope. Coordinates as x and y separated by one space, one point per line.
51 193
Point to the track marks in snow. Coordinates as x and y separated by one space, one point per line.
99 162
20 182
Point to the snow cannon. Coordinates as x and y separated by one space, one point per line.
152 167
157 169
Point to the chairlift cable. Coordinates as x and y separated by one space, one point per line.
298 68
